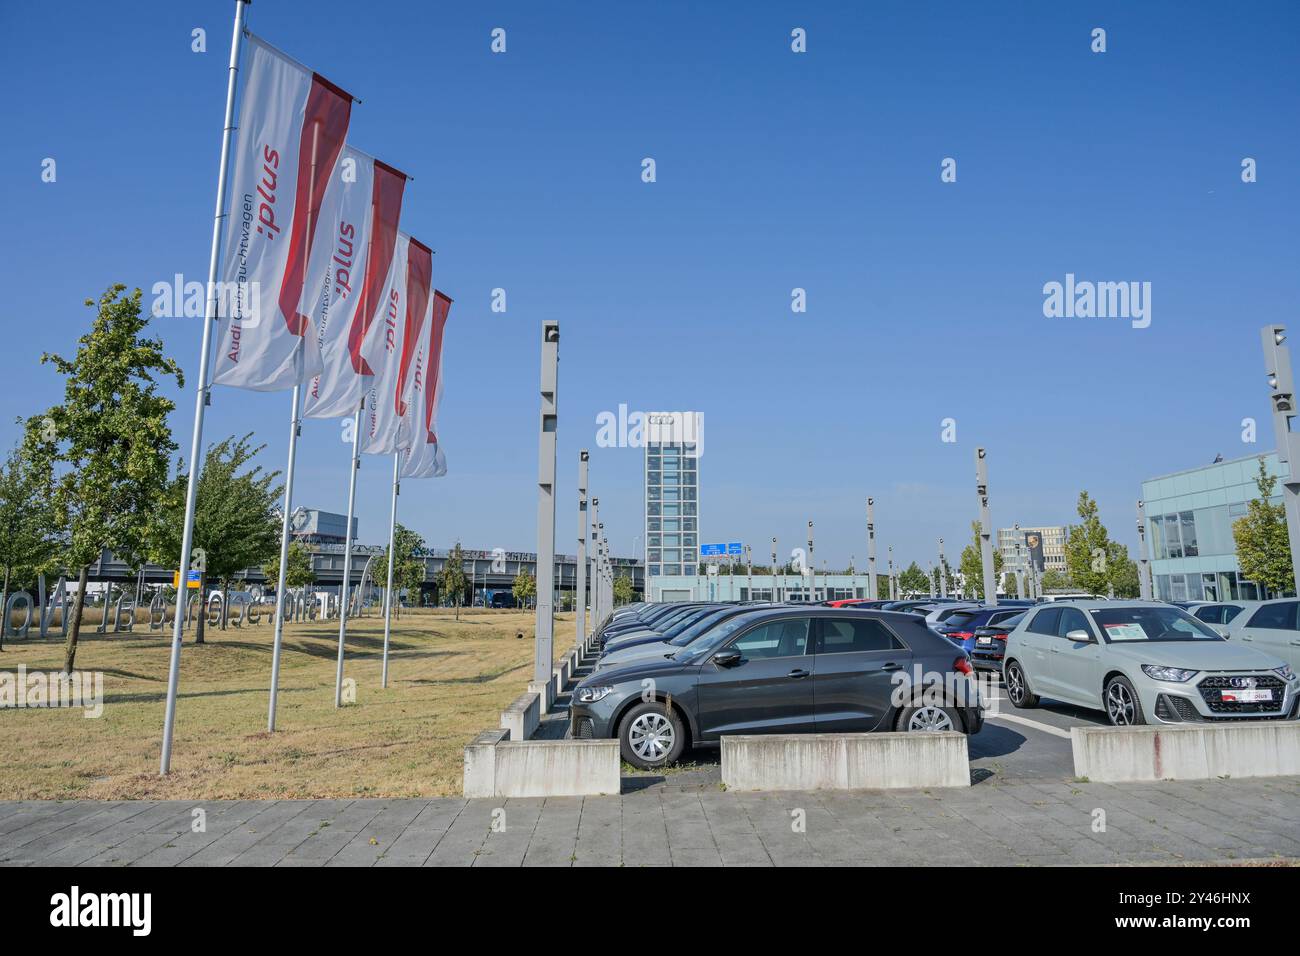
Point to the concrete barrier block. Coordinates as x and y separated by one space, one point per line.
545 690
1186 752
480 763
845 761
557 768
561 676
522 716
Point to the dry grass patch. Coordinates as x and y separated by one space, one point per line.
448 680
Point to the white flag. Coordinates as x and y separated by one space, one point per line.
365 202
422 456
391 353
292 124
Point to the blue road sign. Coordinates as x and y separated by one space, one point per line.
712 550
733 547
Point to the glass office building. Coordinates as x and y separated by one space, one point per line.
1189 529
672 494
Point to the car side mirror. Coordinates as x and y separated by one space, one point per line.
1079 636
727 658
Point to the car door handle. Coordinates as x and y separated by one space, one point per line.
1295 643
797 673
891 666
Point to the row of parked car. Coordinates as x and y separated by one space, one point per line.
676 675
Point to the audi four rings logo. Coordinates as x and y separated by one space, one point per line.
1242 682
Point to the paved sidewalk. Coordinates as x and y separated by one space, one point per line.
1033 823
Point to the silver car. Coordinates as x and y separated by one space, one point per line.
1143 662
1269 626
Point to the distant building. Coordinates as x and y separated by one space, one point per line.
672 493
1053 539
1189 529
310 526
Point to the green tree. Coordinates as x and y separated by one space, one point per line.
27 534
525 588
972 565
409 570
1263 549
623 589
1089 551
1054 580
913 580
298 572
451 579
1123 572
108 444
235 524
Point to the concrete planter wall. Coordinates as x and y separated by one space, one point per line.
1188 752
845 761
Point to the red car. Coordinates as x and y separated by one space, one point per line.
854 602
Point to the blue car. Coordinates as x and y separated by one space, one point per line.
960 627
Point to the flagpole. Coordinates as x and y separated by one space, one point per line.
347 555
295 426
388 591
201 390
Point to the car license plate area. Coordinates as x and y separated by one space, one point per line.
984 641
1245 696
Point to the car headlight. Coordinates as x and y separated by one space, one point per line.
1176 674
1285 672
589 695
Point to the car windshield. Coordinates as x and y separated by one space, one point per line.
687 621
961 618
1129 624
1008 623
715 636
699 627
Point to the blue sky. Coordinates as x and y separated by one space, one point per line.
775 170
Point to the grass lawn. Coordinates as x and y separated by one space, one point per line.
447 681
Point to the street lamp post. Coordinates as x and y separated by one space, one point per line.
1144 562
1277 361
812 572
580 580
544 628
943 574
986 536
774 597
871 550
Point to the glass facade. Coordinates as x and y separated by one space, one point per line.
672 507
1189 530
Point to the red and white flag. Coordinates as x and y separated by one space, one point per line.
292 125
391 354
422 456
365 202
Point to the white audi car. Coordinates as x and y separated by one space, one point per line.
1143 662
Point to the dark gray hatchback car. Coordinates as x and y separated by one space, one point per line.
781 670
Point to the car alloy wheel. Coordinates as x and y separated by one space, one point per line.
1119 704
1015 684
651 737
929 718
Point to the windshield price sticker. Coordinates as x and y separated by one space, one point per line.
1125 632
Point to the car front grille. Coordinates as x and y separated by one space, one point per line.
1212 688
583 728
